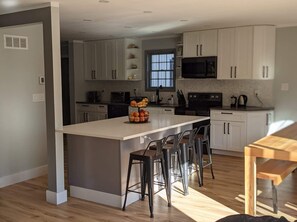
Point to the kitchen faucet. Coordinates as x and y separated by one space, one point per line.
158 100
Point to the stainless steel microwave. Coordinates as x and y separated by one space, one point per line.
200 67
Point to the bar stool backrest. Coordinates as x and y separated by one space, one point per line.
174 139
191 135
158 144
205 129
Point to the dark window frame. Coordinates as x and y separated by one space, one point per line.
148 65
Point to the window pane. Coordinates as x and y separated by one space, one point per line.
170 57
154 75
163 66
163 58
162 75
155 66
154 83
155 58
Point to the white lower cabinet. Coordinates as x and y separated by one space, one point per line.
90 112
228 135
233 130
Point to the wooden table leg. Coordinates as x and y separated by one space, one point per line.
250 183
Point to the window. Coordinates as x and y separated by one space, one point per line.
160 69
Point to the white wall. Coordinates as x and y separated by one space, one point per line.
22 122
286 72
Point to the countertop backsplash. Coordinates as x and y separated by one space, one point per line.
227 87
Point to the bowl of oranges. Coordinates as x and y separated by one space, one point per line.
139 114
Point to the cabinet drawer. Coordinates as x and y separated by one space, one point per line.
227 115
92 108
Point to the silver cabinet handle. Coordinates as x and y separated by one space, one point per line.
167 110
85 105
227 113
94 74
197 50
87 117
263 72
224 128
115 74
231 72
266 71
267 117
228 128
201 49
235 68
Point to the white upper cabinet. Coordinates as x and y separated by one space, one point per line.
90 65
117 59
235 53
264 52
200 43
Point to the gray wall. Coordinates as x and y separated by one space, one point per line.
22 122
286 61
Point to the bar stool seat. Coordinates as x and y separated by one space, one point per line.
146 159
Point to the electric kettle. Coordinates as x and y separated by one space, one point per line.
242 100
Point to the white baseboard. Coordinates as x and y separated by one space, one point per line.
56 198
228 153
102 197
22 176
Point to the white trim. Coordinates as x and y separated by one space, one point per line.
22 176
56 198
227 153
102 197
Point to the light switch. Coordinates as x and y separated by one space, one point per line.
284 86
38 97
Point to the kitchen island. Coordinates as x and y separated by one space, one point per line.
98 154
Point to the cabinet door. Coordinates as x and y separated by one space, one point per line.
94 116
243 53
208 43
226 48
110 61
236 136
270 51
119 60
81 117
101 60
218 136
190 44
264 52
90 61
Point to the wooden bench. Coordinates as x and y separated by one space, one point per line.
276 171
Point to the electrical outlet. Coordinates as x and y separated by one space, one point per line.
257 91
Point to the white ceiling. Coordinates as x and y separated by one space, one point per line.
126 18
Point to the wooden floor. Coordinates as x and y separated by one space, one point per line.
216 199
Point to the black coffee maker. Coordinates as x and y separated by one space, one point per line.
93 96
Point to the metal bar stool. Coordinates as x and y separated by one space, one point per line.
147 157
171 147
202 138
187 144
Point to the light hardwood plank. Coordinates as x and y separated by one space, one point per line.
216 199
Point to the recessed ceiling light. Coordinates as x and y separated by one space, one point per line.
87 20
183 20
103 1
147 12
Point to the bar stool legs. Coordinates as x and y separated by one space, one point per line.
146 158
184 166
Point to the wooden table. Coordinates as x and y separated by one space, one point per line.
280 145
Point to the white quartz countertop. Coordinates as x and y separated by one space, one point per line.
121 129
